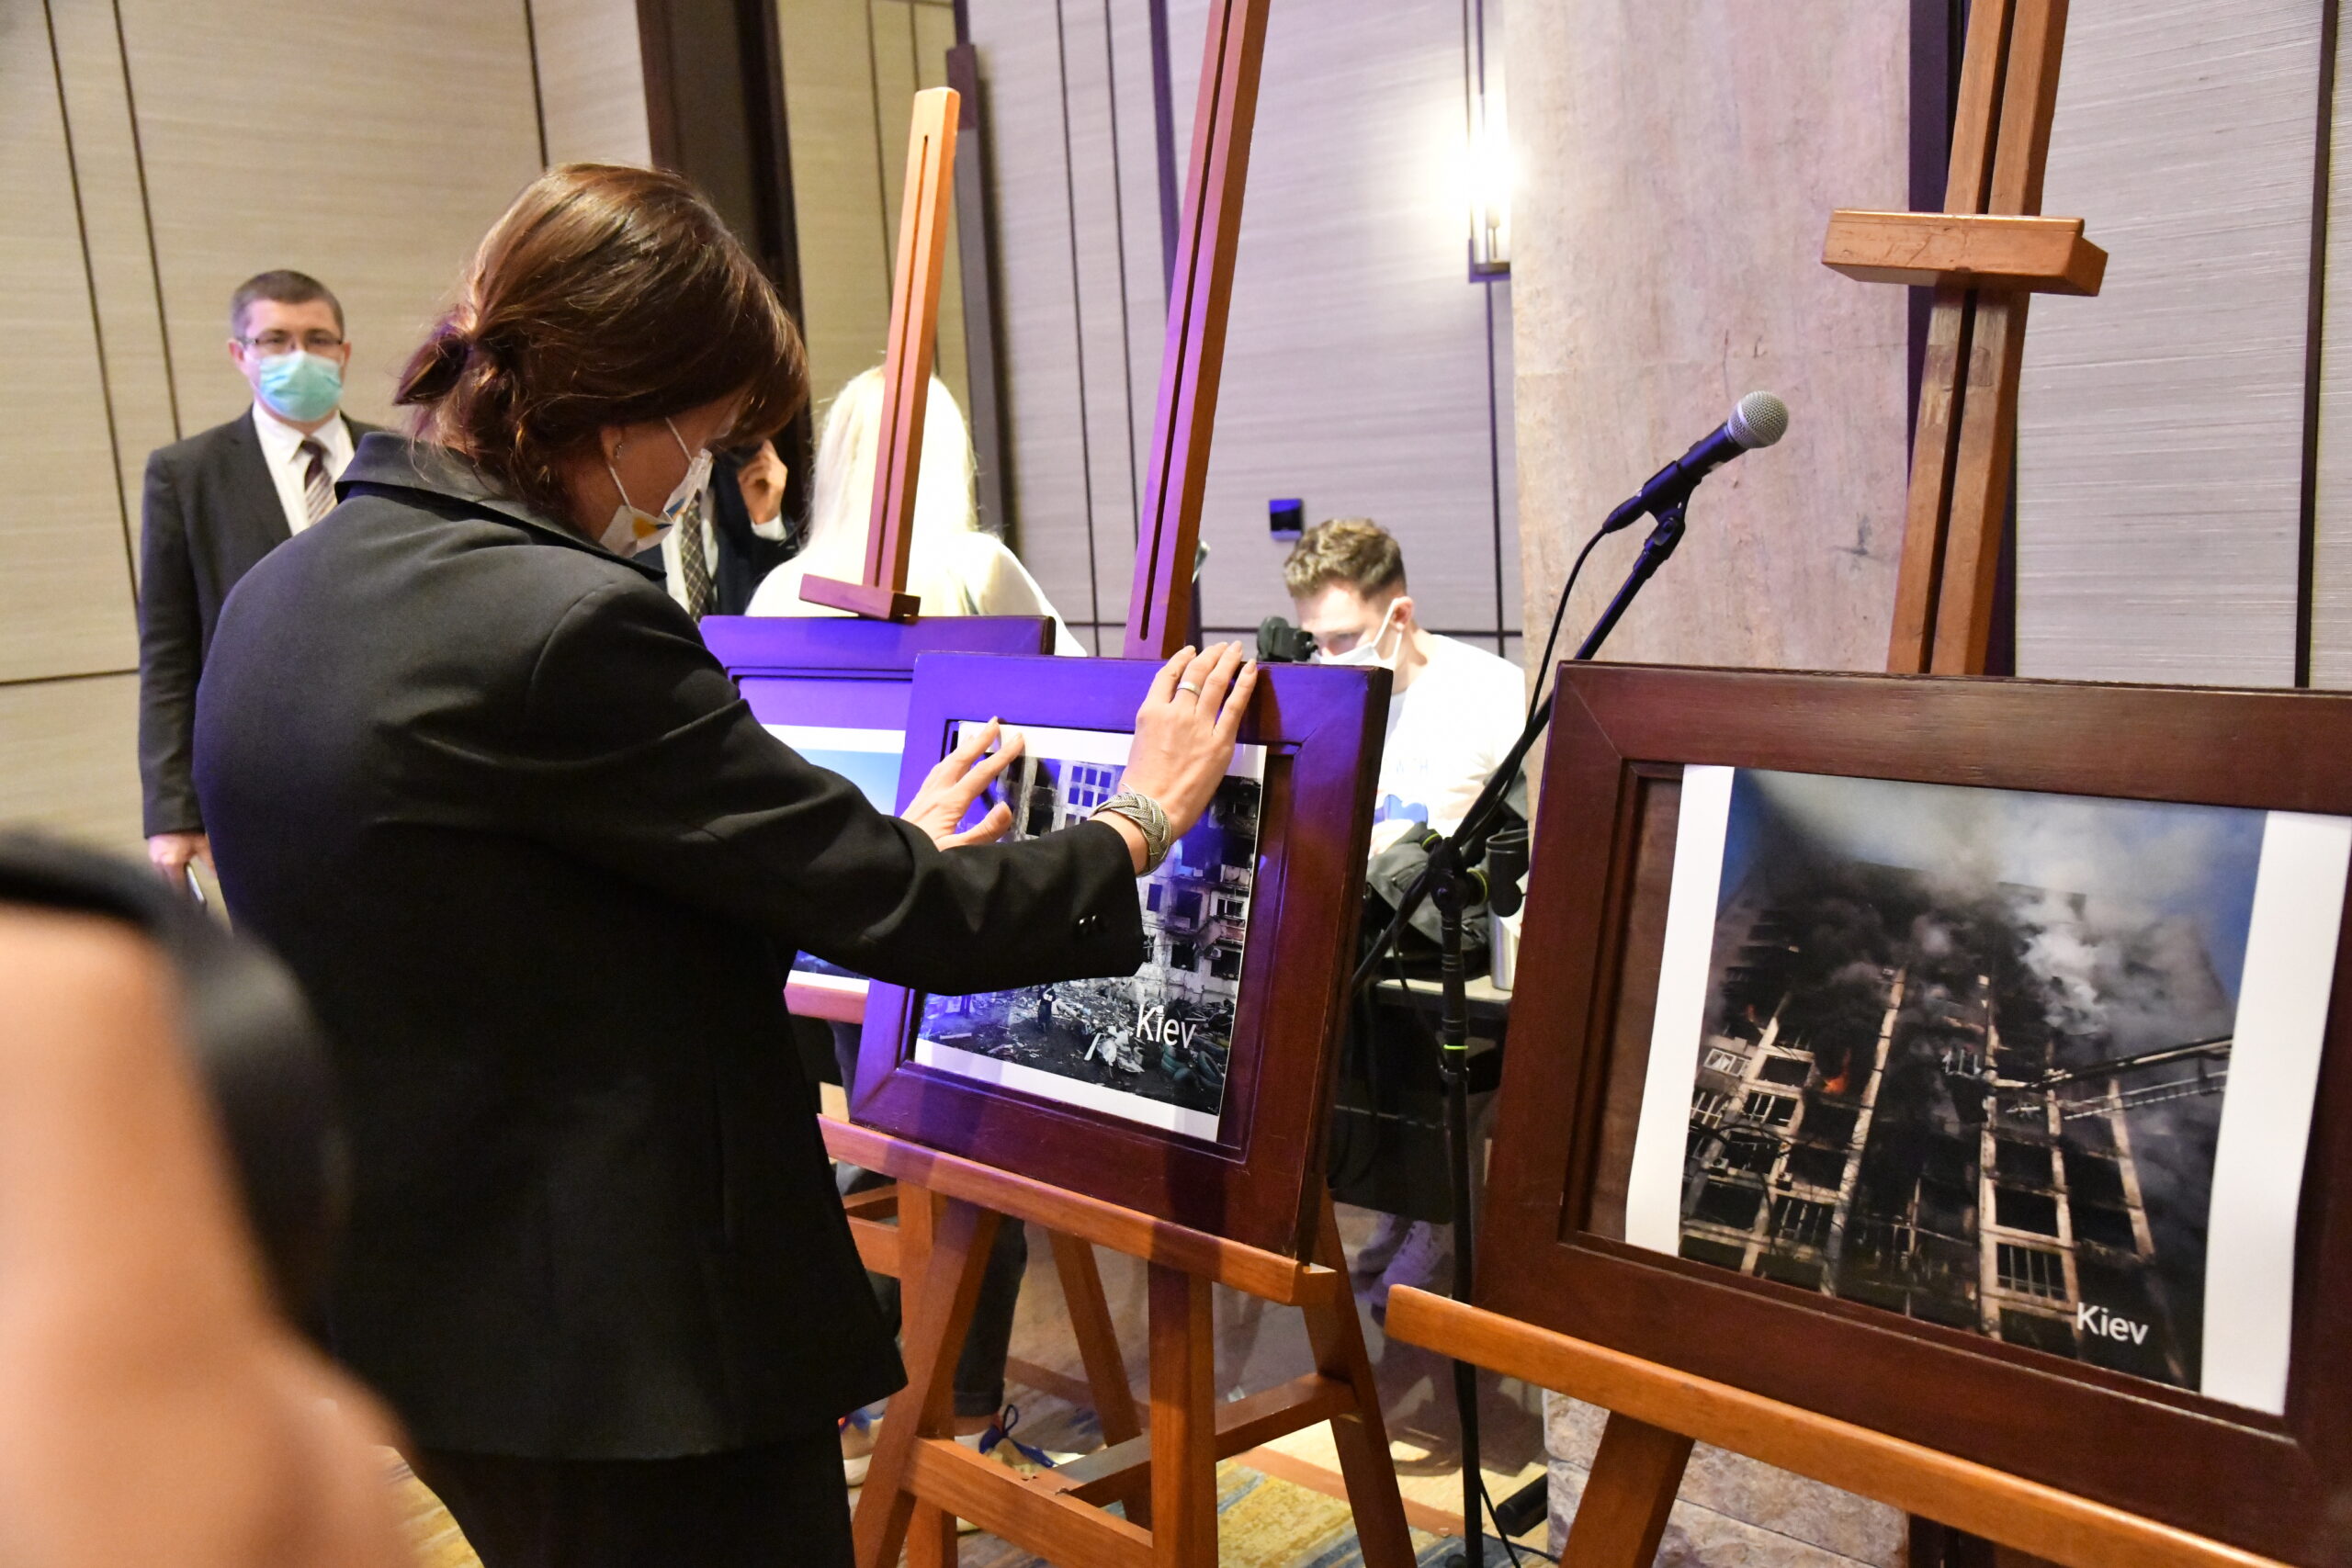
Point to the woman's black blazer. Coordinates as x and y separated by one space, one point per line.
541 873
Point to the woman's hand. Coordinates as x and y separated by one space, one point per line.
960 778
1184 731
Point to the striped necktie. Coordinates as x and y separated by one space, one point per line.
317 490
695 564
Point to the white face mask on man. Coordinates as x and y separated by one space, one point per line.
1366 654
633 530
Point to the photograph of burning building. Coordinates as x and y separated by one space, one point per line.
1966 1054
1154 1046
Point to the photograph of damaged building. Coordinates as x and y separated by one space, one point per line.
1965 1055
1164 1033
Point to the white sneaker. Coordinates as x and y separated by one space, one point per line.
1372 1259
860 1432
1423 1262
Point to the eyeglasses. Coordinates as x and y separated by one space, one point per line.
287 342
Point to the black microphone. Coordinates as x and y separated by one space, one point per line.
1758 420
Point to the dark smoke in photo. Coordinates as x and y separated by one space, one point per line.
1964 1057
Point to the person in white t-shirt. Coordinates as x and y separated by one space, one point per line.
1453 713
1453 709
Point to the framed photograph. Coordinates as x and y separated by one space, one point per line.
1155 1046
835 690
1196 1089
1960 1058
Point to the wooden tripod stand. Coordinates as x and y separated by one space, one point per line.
920 1479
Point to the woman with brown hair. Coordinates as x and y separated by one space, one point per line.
472 772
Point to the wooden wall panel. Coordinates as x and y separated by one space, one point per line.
1045 402
1676 167
2161 432
1355 373
2331 557
591 81
852 69
113 203
837 186
1121 385
65 605
67 750
934 35
376 166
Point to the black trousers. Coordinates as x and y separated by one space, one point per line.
779 1505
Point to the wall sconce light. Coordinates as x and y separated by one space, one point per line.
1488 160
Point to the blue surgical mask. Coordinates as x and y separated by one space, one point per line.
300 386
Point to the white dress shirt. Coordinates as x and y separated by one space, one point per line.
674 564
281 448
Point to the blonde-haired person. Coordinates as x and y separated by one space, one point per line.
956 567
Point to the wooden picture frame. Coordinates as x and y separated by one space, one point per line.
851 673
1553 1254
1259 1181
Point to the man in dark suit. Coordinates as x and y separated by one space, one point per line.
219 501
714 559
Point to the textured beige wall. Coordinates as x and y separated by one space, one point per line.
1364 372
850 71
2160 428
376 169
591 81
153 154
1677 164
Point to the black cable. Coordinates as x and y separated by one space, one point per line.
1559 613
1498 790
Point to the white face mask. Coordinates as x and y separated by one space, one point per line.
633 531
1366 654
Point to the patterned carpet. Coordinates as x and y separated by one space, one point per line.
1262 1522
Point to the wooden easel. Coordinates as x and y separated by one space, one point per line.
880 592
1656 1414
921 1480
1985 256
880 595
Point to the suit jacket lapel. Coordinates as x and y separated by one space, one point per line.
250 469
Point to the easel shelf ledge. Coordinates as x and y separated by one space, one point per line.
2020 1513
1269 1276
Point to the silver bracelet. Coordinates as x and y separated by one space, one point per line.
1149 820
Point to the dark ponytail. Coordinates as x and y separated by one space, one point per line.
605 296
433 371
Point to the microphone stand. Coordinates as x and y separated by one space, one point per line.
1453 881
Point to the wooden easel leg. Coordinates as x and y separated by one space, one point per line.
937 1307
1980 486
931 1538
1183 1422
1098 1341
1098 1347
1626 1498
1361 1435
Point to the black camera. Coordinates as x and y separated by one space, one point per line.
1279 642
